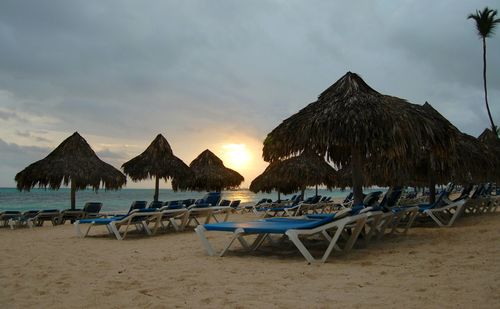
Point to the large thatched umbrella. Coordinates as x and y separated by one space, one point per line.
71 162
157 161
352 123
294 174
210 174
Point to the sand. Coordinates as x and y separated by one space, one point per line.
49 267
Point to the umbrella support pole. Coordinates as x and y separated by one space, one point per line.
73 194
357 176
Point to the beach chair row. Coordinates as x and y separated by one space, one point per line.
341 229
161 215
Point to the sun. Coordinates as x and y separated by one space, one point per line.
236 155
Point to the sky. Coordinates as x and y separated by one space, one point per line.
222 74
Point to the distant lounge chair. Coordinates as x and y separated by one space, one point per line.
156 204
175 215
34 218
331 228
207 207
90 210
235 204
137 217
5 216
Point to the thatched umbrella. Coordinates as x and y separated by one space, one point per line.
469 163
492 142
71 162
210 174
352 123
158 161
294 174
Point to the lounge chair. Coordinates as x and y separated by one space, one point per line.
5 216
207 207
296 230
137 217
34 218
235 204
90 210
446 215
156 204
254 208
175 216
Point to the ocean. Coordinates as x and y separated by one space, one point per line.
38 199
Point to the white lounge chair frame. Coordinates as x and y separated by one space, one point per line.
332 232
446 215
114 226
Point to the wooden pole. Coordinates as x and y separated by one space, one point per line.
73 194
157 188
357 176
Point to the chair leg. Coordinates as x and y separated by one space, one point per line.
293 236
200 231
114 229
354 235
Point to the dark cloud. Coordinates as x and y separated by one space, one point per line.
30 135
205 70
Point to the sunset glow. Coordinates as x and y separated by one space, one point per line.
236 156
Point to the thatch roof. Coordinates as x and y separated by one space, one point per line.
352 120
352 114
72 161
471 163
210 174
492 142
158 160
489 138
294 174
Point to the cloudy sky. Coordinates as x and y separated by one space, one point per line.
221 74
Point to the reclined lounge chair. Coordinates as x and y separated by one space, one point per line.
137 217
34 218
90 210
5 216
331 228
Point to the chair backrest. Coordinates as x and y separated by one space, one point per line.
371 198
138 205
235 204
313 199
391 197
92 207
224 203
174 204
348 198
439 200
488 188
262 201
466 190
211 198
30 213
156 204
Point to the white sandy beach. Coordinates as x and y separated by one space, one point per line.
49 267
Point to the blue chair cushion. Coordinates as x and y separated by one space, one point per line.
271 227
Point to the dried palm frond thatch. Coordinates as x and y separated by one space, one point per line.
492 142
73 161
210 174
471 163
157 161
295 174
352 123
